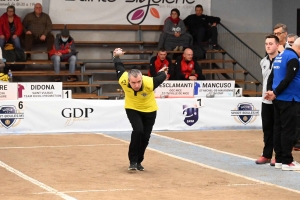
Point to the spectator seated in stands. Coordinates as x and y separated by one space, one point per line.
159 61
187 68
10 28
37 27
64 50
203 27
174 35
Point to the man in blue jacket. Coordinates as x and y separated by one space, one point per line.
284 90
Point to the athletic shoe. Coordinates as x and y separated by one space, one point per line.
278 165
180 48
290 167
297 146
263 160
132 167
176 48
140 167
272 163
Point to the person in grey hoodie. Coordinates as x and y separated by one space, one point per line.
174 36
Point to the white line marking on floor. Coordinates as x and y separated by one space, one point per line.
206 166
242 184
36 182
205 147
230 141
85 191
64 146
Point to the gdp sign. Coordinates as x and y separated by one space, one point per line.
76 112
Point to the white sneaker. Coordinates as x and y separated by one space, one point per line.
278 165
290 167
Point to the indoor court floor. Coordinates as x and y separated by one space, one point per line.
178 165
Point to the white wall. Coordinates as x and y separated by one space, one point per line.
244 16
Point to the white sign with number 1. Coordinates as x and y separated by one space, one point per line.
67 94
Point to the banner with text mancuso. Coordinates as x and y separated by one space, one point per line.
138 12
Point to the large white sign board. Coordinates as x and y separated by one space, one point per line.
19 4
40 90
145 12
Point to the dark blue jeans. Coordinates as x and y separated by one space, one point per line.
15 41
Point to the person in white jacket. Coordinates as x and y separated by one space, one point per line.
267 110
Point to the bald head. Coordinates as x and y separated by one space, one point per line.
38 9
188 54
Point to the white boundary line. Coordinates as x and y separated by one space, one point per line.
84 191
64 146
206 166
205 147
36 182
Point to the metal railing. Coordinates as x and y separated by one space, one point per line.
237 50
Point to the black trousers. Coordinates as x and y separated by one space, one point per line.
285 118
204 34
31 39
267 116
142 124
297 140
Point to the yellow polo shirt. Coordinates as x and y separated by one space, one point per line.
144 100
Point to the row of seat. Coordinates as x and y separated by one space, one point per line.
89 73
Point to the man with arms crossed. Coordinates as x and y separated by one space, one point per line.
140 107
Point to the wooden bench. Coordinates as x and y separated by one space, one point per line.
145 72
40 73
140 29
251 93
106 27
40 62
88 96
83 84
245 83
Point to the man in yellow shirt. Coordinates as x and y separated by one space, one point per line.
140 106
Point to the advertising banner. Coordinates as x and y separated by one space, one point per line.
144 12
220 88
19 4
8 91
40 90
83 116
175 89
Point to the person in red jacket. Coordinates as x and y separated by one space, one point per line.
10 28
158 62
64 50
187 68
